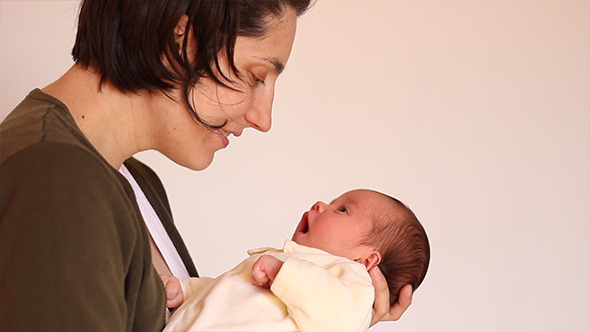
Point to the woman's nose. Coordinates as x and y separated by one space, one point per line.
259 115
319 207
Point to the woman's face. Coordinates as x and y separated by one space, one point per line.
260 60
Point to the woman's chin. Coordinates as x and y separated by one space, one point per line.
197 164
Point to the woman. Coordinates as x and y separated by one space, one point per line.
176 76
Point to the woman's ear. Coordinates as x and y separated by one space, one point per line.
371 258
180 29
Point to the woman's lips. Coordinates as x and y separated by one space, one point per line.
224 139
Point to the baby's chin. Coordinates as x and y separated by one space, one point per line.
299 238
302 240
295 239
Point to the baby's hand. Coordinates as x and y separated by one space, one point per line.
174 297
265 270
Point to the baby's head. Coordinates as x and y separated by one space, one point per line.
373 229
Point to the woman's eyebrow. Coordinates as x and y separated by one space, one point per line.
279 66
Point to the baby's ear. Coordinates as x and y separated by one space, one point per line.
372 258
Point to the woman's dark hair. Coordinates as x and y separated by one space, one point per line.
126 40
404 246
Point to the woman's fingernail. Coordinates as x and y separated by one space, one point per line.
376 273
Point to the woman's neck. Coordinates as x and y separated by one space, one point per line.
107 117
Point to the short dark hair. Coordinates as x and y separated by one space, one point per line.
125 40
403 244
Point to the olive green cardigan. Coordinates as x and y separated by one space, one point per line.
74 249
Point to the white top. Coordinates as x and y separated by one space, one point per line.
156 229
313 291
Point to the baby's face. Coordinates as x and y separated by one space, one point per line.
338 227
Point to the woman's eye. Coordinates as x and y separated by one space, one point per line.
258 80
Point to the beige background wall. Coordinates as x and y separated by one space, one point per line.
475 113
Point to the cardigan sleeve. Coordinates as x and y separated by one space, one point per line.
337 297
67 241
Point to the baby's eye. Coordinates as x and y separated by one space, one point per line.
343 210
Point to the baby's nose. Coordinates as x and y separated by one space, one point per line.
319 207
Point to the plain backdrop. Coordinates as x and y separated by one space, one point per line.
474 113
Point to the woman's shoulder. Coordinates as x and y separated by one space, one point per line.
43 152
41 123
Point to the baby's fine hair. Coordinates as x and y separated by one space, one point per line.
403 244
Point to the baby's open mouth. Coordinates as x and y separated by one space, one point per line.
303 224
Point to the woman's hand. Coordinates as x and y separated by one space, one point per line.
382 311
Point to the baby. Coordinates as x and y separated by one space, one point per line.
319 280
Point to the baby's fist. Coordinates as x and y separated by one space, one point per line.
265 270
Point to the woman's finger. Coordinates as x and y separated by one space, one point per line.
403 302
381 305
